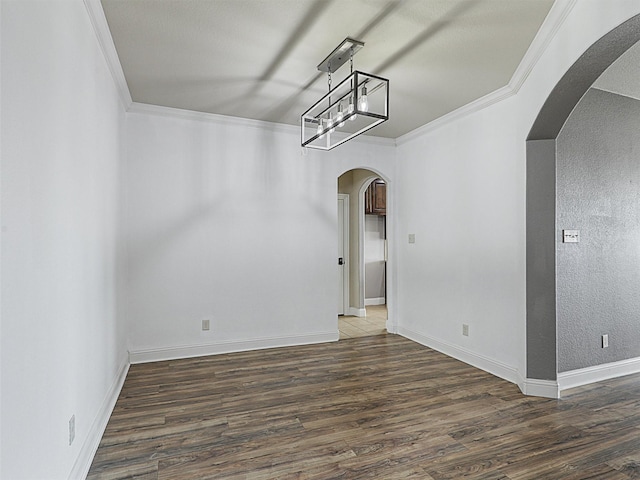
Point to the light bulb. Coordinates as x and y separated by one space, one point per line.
352 109
340 116
364 102
330 124
319 131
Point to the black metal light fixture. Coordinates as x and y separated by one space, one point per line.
355 105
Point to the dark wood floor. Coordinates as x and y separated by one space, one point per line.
378 407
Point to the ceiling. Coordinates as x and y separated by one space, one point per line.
258 58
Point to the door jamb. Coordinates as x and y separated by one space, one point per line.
345 252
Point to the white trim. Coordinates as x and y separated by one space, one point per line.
171 112
346 221
555 18
540 388
190 351
598 373
357 312
374 140
471 107
90 446
552 23
375 301
361 228
105 40
487 364
391 326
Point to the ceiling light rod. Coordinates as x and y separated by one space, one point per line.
340 55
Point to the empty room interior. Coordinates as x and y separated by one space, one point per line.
313 239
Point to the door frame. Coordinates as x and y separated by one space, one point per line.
368 181
345 251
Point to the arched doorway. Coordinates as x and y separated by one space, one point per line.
366 227
544 233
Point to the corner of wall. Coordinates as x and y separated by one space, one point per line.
90 445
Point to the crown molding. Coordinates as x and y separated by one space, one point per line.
552 23
105 40
555 18
472 107
192 115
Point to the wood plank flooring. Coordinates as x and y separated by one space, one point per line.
378 407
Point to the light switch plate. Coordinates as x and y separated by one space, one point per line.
570 236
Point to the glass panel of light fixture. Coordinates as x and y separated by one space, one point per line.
354 106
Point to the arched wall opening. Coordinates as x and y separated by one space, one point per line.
543 231
354 182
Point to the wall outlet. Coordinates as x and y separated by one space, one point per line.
465 329
605 341
570 236
412 238
72 428
206 325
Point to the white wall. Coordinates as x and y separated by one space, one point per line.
461 190
228 221
63 347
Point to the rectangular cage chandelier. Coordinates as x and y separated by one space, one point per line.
355 105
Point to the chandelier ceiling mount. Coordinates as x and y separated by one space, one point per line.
355 105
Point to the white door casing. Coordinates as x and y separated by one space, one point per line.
343 253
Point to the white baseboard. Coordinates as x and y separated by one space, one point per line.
392 327
489 365
598 373
540 388
375 301
90 446
188 351
357 312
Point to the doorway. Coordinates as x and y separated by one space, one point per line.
365 312
550 350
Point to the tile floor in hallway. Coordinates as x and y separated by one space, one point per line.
373 324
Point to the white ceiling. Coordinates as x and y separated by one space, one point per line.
257 58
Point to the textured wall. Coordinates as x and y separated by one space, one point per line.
541 267
598 177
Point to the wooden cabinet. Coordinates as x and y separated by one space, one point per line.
375 198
